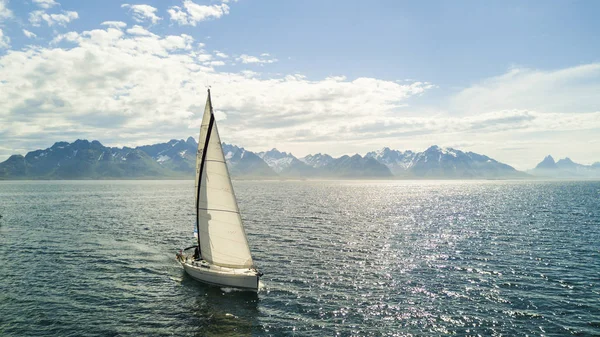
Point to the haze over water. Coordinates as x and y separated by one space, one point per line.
86 258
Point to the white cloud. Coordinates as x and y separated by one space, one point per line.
199 13
253 59
497 122
36 18
142 13
249 73
4 40
204 57
573 89
192 13
216 63
177 42
5 13
114 24
46 3
221 55
532 113
29 34
70 37
139 30
178 15
130 89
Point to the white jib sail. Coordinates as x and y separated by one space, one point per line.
222 238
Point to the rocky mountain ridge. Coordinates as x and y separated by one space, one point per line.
565 169
83 159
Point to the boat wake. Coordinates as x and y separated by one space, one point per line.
176 279
228 289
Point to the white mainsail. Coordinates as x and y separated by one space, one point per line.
222 238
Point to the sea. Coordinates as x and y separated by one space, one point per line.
340 258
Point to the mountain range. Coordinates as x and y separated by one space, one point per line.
83 159
443 163
565 169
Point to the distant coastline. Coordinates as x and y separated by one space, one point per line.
393 179
175 160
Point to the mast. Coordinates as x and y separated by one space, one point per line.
221 235
201 168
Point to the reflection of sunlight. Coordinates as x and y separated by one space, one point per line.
340 258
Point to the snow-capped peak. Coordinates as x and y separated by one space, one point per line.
317 160
394 159
278 161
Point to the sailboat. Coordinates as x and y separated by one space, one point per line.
222 256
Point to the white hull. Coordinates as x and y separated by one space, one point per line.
221 276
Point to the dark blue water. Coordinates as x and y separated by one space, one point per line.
97 258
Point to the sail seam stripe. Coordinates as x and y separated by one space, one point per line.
237 241
220 210
224 208
222 222
229 255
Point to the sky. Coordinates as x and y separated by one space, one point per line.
513 80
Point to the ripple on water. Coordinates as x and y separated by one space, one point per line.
349 258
